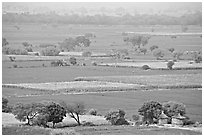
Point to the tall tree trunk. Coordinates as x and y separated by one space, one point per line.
53 124
78 121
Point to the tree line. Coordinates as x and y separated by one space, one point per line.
127 19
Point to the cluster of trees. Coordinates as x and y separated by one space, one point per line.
152 110
70 43
42 113
8 50
127 19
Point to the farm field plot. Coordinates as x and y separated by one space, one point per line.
76 86
154 65
184 80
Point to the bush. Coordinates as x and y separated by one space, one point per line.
172 108
94 63
15 66
73 60
50 51
86 54
5 107
198 59
177 55
92 112
153 47
4 42
143 50
137 119
116 117
88 124
158 54
145 67
171 50
150 110
170 64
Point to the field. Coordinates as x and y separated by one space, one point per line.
182 85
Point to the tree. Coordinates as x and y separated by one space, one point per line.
153 47
150 110
158 54
116 117
171 50
4 42
27 112
82 41
173 108
75 110
139 40
170 64
177 55
73 60
26 44
5 107
55 113
68 44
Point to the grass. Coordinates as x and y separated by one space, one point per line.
96 130
24 130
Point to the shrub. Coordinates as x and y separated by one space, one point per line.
73 60
150 110
170 64
116 117
50 51
88 124
143 50
94 63
177 55
29 49
153 47
15 66
86 54
4 42
158 54
92 112
172 108
5 107
137 119
171 50
145 67
198 59
26 44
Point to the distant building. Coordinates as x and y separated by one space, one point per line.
178 120
163 119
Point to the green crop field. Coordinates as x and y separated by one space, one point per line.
37 69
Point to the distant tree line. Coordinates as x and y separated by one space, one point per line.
127 19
